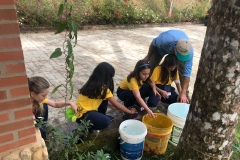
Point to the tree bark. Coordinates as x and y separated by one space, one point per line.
213 115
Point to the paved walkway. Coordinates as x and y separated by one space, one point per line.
120 47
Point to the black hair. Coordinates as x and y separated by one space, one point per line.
140 65
169 61
98 83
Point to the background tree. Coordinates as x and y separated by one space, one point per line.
213 115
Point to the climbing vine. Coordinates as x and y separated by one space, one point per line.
69 26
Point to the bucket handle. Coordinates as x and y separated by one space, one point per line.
122 141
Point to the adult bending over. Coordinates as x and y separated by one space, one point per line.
173 42
137 86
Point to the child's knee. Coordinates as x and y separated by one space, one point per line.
106 123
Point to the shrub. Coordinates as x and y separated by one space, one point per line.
37 13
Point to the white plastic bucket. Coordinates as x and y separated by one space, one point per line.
132 135
177 112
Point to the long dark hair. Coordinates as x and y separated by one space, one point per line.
141 65
169 61
37 85
98 83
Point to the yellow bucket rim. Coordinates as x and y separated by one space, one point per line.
167 128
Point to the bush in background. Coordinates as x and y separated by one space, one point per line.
42 13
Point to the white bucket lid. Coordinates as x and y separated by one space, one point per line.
137 126
179 109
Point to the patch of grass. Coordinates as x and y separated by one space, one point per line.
236 143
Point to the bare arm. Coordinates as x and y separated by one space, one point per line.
112 106
150 50
154 88
183 95
62 104
179 88
118 105
163 93
140 101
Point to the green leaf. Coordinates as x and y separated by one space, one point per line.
60 10
69 27
74 27
79 156
70 12
61 27
56 88
71 89
70 35
56 53
69 48
68 59
72 57
70 64
70 75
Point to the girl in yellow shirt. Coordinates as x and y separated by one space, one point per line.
137 86
94 96
163 76
39 88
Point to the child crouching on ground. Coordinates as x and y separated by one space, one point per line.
163 76
39 88
93 97
137 86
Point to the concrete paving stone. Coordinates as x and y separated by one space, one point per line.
120 47
49 76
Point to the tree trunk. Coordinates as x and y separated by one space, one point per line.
213 115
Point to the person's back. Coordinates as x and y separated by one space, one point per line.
166 41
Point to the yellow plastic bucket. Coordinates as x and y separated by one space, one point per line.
158 133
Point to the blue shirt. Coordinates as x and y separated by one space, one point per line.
165 43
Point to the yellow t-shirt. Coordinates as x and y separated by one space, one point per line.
156 76
132 85
87 104
45 100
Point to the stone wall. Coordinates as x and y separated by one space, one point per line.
34 151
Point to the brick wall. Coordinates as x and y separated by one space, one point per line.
16 122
